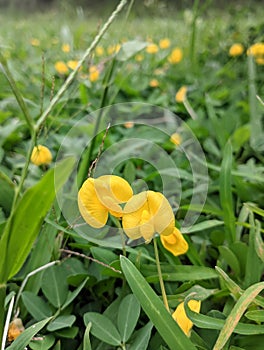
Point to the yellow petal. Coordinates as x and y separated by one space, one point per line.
91 208
181 318
161 213
41 155
175 243
120 189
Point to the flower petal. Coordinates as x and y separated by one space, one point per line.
181 318
91 208
119 188
175 243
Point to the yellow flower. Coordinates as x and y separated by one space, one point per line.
175 243
236 50
152 48
139 57
175 56
260 60
41 155
256 50
15 329
94 73
35 42
164 43
176 139
154 83
99 50
66 48
181 94
147 213
97 198
72 64
61 67
181 318
113 49
129 125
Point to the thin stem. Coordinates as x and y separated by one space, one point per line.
8 318
70 78
2 308
162 287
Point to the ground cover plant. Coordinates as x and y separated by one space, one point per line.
131 179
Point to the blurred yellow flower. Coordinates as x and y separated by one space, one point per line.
34 42
154 83
152 48
181 318
139 57
147 213
175 243
181 94
93 73
256 50
175 56
113 49
72 64
97 198
99 50
15 329
61 67
41 155
164 43
176 139
236 50
260 60
66 48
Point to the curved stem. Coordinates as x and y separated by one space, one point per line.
162 287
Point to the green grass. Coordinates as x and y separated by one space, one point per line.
213 179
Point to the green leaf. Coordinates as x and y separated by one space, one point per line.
86 338
128 315
24 225
201 226
226 197
7 191
154 308
255 209
259 244
60 322
25 337
141 338
129 171
72 295
54 286
237 312
44 343
255 315
230 258
102 328
36 306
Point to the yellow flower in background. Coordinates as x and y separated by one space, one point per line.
113 49
154 83
41 155
152 48
176 139
256 50
139 57
181 94
129 125
236 50
99 50
181 318
147 213
260 60
175 243
66 48
164 43
94 73
34 42
61 67
97 198
175 56
72 64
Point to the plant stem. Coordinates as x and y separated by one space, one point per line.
162 287
2 308
70 78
